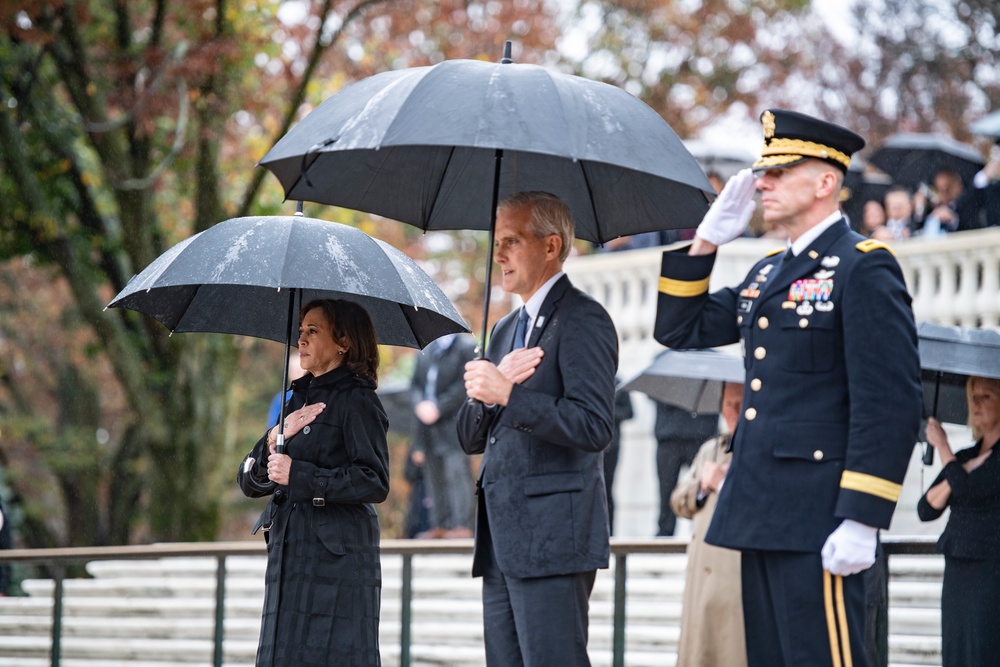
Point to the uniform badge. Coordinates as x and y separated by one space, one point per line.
767 269
813 254
824 306
805 308
823 274
811 289
788 305
750 293
829 262
745 305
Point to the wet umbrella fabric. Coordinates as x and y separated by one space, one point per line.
237 276
912 158
251 275
422 146
688 379
948 356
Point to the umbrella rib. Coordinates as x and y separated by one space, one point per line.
437 190
593 205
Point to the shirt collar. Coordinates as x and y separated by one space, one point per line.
810 235
534 304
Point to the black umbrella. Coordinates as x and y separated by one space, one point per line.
948 356
439 146
912 158
250 276
988 125
689 379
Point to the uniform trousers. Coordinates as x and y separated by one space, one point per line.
796 614
537 621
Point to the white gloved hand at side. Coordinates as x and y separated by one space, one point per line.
850 548
729 215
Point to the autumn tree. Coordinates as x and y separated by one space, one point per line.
124 128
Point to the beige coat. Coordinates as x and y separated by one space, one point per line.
712 616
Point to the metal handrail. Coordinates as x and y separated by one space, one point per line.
407 549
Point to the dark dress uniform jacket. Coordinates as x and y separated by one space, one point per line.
323 580
832 397
542 472
440 437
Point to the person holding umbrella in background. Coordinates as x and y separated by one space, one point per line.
969 483
542 417
323 580
832 403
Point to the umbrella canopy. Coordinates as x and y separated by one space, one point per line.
423 145
688 379
912 158
437 147
948 356
239 277
988 125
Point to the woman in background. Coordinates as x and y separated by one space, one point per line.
969 483
324 581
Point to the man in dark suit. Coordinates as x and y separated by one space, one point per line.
437 392
679 436
832 399
543 415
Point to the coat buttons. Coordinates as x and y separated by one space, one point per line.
750 414
306 430
755 384
818 455
739 319
492 440
763 322
759 353
803 323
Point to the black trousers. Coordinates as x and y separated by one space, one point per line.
797 614
671 456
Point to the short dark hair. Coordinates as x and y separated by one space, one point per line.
353 329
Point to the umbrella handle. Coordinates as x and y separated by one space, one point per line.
928 457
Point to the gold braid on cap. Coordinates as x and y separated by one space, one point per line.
799 148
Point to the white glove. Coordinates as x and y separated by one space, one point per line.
730 213
850 549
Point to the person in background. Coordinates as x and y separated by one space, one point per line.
542 415
712 615
679 433
437 392
873 221
323 582
949 207
623 412
899 212
969 484
294 373
828 425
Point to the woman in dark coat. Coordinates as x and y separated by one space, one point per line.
324 581
970 484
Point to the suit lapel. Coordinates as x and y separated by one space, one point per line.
547 311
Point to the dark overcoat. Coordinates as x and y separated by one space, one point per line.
323 582
542 474
832 398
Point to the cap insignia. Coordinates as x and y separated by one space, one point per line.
767 120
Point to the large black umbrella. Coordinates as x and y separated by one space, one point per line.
912 158
439 146
948 356
688 379
251 275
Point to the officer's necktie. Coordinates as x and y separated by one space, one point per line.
521 330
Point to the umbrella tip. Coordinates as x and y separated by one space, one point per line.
506 60
298 208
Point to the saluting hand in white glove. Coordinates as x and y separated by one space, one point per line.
729 215
850 548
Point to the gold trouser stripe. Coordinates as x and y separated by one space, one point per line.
831 622
876 486
672 287
845 639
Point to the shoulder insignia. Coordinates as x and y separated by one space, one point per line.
775 252
871 244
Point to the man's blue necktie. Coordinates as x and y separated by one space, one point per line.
521 330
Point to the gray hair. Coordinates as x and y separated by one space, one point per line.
549 215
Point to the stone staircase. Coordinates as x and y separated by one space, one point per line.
160 613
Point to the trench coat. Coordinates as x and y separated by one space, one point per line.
323 581
712 615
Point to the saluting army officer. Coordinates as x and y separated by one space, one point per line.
832 399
